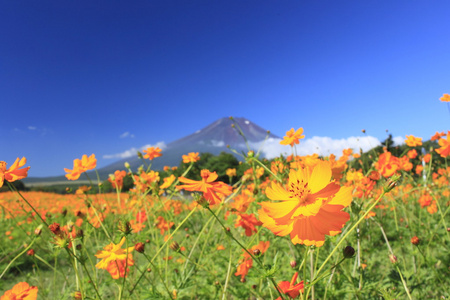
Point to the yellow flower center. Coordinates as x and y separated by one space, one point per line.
299 190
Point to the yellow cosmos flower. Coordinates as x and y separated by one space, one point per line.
309 207
113 252
191 157
152 152
80 166
21 291
413 141
292 137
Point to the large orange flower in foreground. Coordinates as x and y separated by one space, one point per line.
80 166
292 137
14 172
21 291
212 191
309 207
114 259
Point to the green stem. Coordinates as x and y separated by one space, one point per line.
403 281
17 256
162 247
125 271
440 211
50 266
245 249
101 223
74 264
86 270
311 253
228 275
13 188
267 169
350 231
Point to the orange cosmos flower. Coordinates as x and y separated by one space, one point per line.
261 247
191 157
117 268
419 169
152 152
242 201
243 268
247 261
405 164
220 247
412 154
141 216
437 136
14 172
117 179
212 191
291 288
163 225
444 151
412 141
146 180
277 167
21 291
432 208
445 98
136 226
292 137
231 172
425 200
114 259
248 222
387 164
80 166
168 182
309 207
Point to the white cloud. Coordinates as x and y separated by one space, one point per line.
32 127
398 140
218 143
213 143
126 134
133 151
321 145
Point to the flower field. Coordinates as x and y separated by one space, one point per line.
362 226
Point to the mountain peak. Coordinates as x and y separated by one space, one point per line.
222 133
213 138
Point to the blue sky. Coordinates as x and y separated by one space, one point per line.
106 77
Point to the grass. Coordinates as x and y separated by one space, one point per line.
386 264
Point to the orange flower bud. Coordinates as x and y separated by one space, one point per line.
175 247
393 258
54 228
139 247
